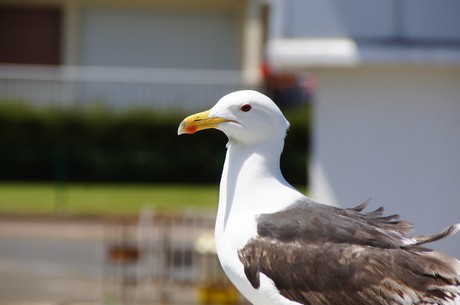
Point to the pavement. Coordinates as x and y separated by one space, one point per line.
53 228
51 261
64 261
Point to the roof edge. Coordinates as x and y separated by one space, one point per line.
300 54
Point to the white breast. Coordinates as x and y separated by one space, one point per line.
237 227
251 184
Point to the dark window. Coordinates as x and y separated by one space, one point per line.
30 35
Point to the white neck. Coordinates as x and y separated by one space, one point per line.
249 170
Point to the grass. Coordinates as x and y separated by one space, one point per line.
44 199
103 199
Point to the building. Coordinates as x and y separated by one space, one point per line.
386 116
169 53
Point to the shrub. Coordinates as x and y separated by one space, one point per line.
139 145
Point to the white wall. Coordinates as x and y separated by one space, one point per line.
393 134
371 20
335 18
431 19
163 38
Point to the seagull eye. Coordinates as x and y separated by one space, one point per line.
246 108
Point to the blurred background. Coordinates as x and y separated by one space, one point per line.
101 202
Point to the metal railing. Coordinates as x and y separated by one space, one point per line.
118 87
166 259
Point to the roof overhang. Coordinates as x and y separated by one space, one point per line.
301 54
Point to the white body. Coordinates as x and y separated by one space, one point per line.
242 182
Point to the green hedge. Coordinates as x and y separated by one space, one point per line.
139 145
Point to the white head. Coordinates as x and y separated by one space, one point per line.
245 116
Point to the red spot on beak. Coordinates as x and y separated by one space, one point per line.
191 129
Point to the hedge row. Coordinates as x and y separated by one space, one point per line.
139 145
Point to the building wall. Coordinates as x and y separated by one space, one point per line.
335 18
371 20
170 54
391 133
203 34
161 38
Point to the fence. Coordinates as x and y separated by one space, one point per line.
165 260
118 87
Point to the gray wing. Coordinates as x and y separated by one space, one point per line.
318 254
309 221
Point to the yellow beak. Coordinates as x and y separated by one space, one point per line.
199 121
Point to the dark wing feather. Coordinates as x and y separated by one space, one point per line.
329 273
310 222
318 254
423 239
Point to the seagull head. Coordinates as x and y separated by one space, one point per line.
245 116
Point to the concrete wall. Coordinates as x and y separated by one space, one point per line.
391 133
162 38
372 20
200 34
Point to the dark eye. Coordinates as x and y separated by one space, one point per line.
246 108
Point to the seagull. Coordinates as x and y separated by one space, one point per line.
278 246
